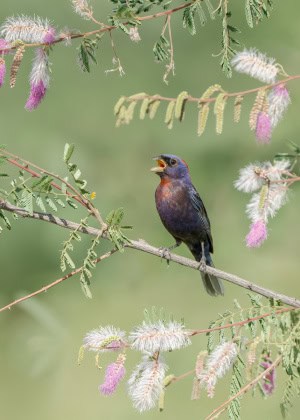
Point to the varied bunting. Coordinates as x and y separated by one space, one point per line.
183 214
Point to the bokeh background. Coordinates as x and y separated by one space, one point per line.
39 340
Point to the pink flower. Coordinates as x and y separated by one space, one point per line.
279 99
4 45
114 374
2 71
217 365
49 37
263 128
257 235
39 79
37 93
268 381
281 90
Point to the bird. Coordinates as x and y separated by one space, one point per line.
183 214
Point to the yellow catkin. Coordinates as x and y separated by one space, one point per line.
118 106
210 91
130 112
166 382
16 65
237 108
144 108
257 108
265 107
219 111
180 104
251 357
153 107
202 118
200 363
170 114
97 361
121 116
80 355
195 389
161 401
263 197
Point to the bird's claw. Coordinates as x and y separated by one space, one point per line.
165 254
202 264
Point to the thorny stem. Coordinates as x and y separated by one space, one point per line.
217 411
54 283
143 246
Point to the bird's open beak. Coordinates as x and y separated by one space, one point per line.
161 165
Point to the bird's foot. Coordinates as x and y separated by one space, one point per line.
202 264
165 254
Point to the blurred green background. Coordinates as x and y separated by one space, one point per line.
39 340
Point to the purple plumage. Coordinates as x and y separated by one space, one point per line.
183 214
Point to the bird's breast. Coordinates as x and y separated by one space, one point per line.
176 210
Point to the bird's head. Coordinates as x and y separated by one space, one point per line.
170 166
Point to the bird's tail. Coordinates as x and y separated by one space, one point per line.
212 284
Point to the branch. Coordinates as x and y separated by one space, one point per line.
45 288
215 413
27 166
189 98
241 323
143 246
106 28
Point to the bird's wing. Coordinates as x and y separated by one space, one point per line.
199 206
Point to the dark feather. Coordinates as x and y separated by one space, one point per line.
199 206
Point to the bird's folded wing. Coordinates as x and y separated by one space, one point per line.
199 206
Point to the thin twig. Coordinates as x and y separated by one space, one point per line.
143 246
25 166
116 59
54 283
170 67
179 377
241 323
190 98
214 414
106 28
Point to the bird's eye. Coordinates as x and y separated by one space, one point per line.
173 162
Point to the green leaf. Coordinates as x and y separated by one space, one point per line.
71 203
5 220
210 9
188 19
161 49
59 202
40 203
201 14
85 287
51 203
27 201
43 183
77 174
68 151
86 53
